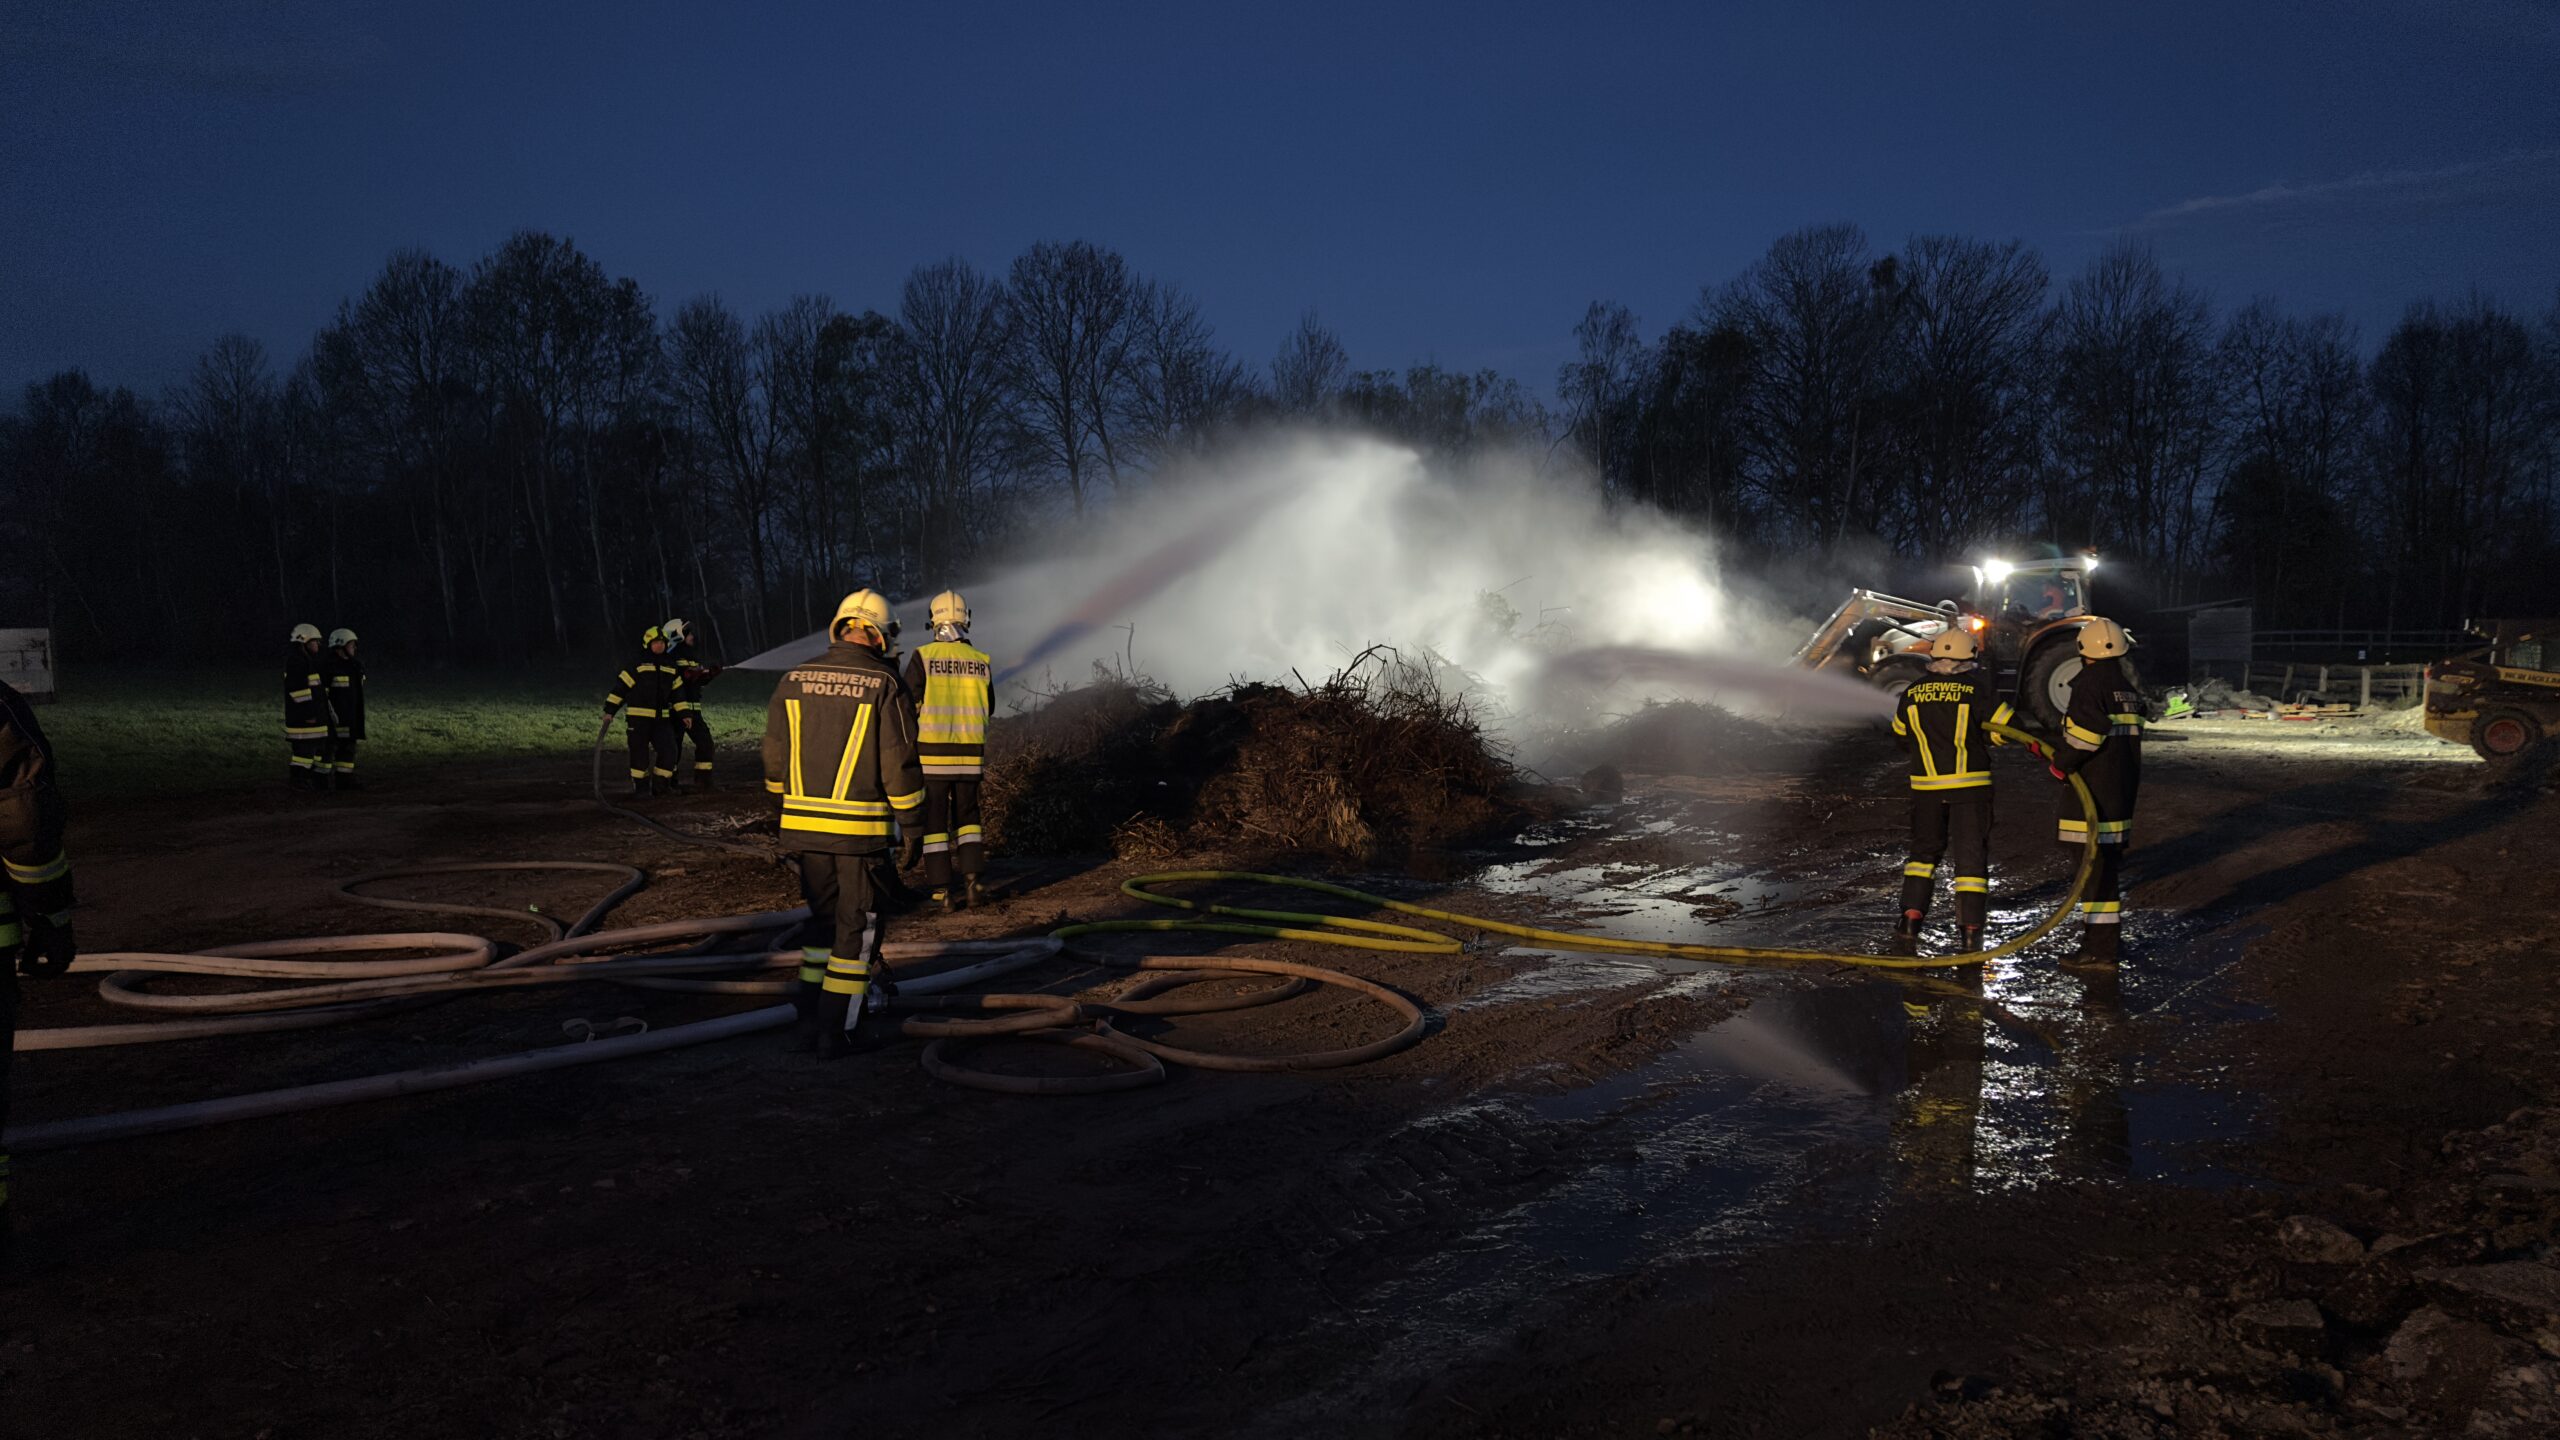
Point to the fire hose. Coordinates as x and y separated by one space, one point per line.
341 989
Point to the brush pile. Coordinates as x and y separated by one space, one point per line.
1687 737
1378 760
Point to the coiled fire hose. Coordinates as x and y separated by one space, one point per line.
458 963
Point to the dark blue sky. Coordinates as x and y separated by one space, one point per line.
1450 182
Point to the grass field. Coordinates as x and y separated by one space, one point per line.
145 730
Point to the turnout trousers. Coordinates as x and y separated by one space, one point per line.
8 1041
2114 784
696 727
953 838
1945 821
839 944
653 750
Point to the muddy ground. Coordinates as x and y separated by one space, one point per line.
2288 1171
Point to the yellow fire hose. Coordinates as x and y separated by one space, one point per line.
1342 930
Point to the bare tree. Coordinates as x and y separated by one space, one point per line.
2135 414
720 386
1180 387
1599 388
1073 325
1961 380
954 336
1312 367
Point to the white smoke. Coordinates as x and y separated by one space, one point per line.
1285 560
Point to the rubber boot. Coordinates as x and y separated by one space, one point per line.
948 899
1906 935
833 1042
2097 947
1968 939
640 788
702 781
972 897
804 1018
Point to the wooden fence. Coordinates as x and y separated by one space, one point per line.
2358 684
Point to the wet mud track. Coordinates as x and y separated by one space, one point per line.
1604 1194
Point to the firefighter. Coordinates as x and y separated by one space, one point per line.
345 676
691 676
950 680
35 885
645 692
2102 744
306 709
1940 720
840 751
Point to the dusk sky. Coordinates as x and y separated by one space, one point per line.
1444 182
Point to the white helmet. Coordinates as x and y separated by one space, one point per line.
1954 643
2102 639
675 632
341 636
865 608
302 633
950 608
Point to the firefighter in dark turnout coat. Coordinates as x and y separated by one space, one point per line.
306 710
840 754
35 885
2102 744
691 676
645 692
344 675
1940 720
950 680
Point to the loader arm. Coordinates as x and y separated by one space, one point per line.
1824 643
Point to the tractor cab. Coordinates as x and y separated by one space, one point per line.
2022 596
2502 700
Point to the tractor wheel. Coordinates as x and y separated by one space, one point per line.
1897 673
2502 735
2044 683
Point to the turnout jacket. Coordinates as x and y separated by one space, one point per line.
645 689
345 679
1940 720
840 751
306 694
950 680
691 676
2102 741
35 873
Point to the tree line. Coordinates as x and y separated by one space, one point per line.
526 459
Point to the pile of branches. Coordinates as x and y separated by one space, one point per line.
1687 737
1379 759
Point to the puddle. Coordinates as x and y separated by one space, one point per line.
1829 1095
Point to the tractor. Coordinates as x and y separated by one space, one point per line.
2026 616
2502 700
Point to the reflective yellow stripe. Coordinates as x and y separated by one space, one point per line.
53 869
774 786
971 832
1972 885
2080 738
791 712
1964 722
2103 907
907 802
300 697
1968 781
840 807
793 821
852 749
1920 738
2003 715
639 713
1919 869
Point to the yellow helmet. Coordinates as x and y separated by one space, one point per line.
951 608
2102 639
1955 643
302 633
341 636
865 608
